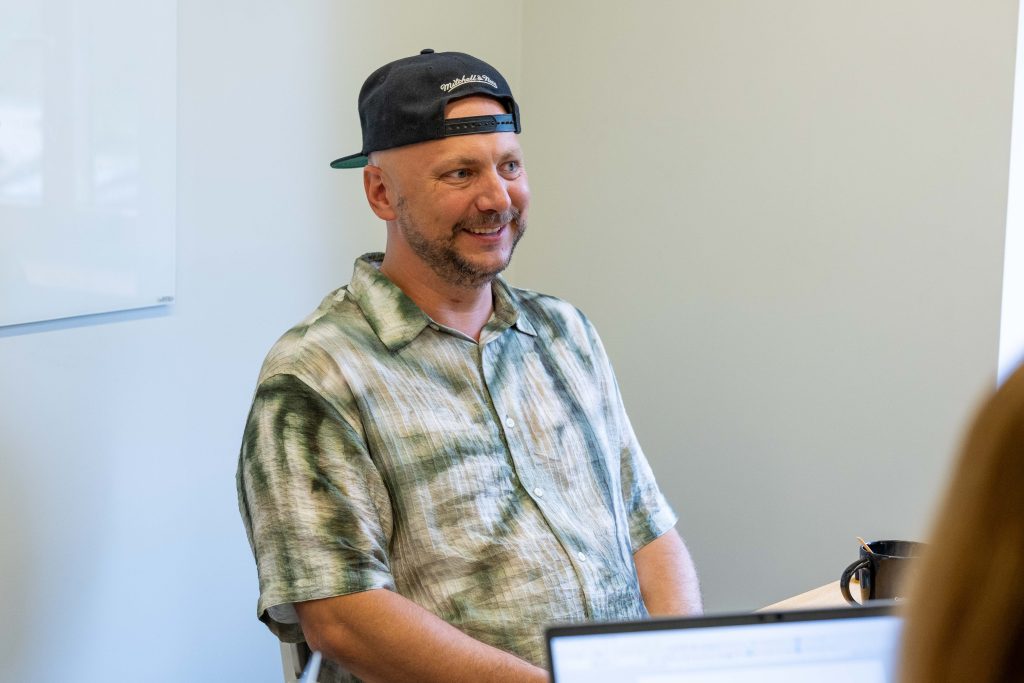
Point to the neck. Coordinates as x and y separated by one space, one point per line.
466 309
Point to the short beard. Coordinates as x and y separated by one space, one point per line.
441 256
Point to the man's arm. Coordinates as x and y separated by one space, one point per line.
668 579
379 635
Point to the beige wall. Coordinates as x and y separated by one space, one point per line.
787 221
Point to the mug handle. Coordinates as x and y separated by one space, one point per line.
844 581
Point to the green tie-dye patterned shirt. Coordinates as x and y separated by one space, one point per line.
497 484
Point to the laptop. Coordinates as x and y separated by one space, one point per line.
841 645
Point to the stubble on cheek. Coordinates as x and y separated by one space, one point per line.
440 254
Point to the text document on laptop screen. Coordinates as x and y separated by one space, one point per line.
855 650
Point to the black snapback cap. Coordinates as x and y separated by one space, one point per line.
403 102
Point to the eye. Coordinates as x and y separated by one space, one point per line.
512 167
458 174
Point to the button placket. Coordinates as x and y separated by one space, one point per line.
521 471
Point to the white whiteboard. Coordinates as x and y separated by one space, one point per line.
87 157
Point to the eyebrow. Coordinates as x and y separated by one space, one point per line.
473 161
459 161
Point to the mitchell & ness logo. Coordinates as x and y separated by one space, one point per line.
475 78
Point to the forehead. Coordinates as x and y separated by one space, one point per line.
431 156
484 144
462 149
482 148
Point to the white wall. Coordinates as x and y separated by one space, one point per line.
123 555
1011 323
786 219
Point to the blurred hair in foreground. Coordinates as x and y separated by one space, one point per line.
965 620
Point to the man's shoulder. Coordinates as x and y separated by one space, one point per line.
550 311
564 330
309 347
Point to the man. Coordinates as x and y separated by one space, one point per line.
436 465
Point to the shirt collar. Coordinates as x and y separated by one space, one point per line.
508 310
396 320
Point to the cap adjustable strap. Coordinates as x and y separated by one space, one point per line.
497 123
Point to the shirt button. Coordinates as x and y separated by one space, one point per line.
509 422
539 492
582 556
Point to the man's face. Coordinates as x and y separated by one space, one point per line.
460 202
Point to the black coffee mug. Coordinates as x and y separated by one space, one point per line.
884 572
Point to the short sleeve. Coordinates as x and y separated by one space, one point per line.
315 508
647 510
649 513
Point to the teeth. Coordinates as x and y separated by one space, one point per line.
484 231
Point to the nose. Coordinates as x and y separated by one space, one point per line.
494 194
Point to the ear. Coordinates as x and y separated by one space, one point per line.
375 183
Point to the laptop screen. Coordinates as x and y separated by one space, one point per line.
855 645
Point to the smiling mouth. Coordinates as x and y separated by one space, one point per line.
486 229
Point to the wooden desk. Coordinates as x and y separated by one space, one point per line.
825 596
